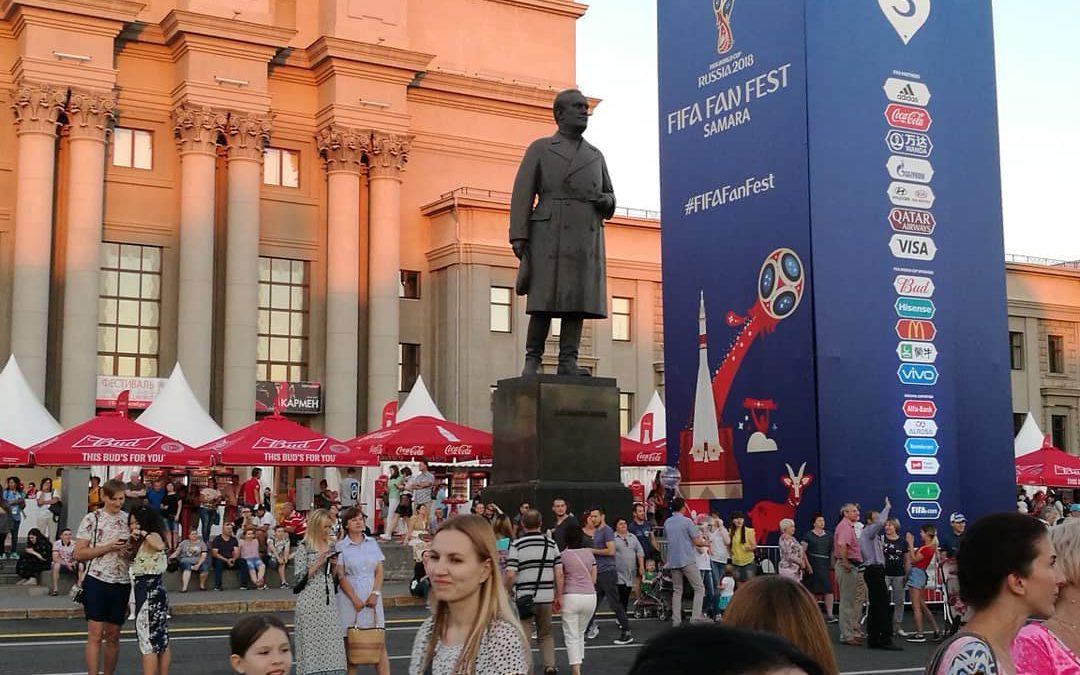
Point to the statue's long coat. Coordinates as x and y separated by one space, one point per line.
567 271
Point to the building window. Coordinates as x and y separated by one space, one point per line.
283 320
556 327
626 410
1018 422
408 365
410 285
501 308
1055 348
1016 350
132 148
129 310
281 167
1059 431
620 319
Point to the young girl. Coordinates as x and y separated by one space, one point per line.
917 581
727 591
151 600
249 551
260 646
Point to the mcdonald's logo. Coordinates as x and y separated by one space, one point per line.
916 329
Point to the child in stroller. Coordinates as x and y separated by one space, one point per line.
651 601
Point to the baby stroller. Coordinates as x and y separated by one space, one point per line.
655 603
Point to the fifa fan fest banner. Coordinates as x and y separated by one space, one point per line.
834 292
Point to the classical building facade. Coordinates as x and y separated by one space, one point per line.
1044 346
277 190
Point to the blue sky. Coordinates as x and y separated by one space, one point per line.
1037 58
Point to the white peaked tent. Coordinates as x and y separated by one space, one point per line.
646 474
418 404
25 421
1030 437
176 412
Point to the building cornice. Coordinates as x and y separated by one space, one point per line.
179 21
123 11
392 58
1047 311
569 8
1043 270
463 91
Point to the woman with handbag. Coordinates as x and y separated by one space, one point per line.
209 497
49 506
579 594
359 569
319 647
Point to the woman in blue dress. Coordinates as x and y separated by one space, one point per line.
360 575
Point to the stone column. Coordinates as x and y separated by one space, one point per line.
37 109
197 131
247 137
389 153
342 150
90 118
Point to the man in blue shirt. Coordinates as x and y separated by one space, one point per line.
878 619
607 578
682 536
642 529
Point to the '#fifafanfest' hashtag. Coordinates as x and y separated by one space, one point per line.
691 205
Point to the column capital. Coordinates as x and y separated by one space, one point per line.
389 154
247 135
91 114
38 107
198 129
343 148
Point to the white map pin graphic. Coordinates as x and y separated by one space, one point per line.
906 16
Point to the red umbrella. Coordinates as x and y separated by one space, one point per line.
636 453
112 439
13 455
425 438
1048 466
276 441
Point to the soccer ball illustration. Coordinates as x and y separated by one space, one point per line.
780 283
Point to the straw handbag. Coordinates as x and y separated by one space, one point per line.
364 646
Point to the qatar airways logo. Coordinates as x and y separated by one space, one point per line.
311 445
143 443
650 457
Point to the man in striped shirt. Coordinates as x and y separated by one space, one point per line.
533 567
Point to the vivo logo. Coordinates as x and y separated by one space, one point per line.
917 374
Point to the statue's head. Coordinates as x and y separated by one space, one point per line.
571 110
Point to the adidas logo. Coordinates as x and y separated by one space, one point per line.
908 95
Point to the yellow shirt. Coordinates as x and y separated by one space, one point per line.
741 554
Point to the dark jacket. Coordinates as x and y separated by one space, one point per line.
565 230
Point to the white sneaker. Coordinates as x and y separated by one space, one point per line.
592 632
31 581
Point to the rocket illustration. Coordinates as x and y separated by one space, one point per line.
706 439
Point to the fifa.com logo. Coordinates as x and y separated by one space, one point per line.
725 39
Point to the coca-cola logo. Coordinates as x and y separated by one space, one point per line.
265 443
171 446
92 441
339 448
409 451
458 450
650 457
907 117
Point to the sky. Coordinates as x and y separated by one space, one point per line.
1037 58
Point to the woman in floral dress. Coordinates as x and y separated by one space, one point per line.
319 647
151 601
792 557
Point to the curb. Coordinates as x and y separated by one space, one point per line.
229 607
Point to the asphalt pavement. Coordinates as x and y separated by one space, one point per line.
200 645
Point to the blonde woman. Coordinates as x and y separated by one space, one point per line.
472 630
319 647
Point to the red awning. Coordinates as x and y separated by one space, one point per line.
1048 466
13 455
636 453
427 438
276 441
112 439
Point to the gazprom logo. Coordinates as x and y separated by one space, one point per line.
919 374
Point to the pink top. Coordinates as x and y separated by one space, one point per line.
844 537
1037 651
577 564
249 548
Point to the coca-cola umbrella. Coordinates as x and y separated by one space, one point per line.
13 455
276 441
427 438
636 453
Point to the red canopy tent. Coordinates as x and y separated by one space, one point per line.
276 441
636 453
13 455
425 438
112 439
1048 466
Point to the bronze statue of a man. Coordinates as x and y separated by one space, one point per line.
560 240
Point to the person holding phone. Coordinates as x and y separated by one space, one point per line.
320 648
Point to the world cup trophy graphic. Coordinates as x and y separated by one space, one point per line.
725 40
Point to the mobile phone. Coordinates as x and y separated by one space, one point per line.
334 554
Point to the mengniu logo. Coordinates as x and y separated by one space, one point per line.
921 447
907 117
919 409
914 329
916 352
917 374
915 308
725 38
912 221
909 143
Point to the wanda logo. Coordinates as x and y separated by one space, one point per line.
907 117
144 443
650 457
265 443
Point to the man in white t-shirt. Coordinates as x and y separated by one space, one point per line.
350 489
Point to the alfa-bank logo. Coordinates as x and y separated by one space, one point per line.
907 117
906 16
907 92
909 143
92 441
917 287
911 194
310 445
910 169
912 221
914 407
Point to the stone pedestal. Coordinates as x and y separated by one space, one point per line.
557 436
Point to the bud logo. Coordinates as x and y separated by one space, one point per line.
910 168
907 117
922 466
265 443
921 447
91 441
909 143
912 221
910 194
918 287
917 374
919 408
912 329
917 352
906 91
920 428
912 248
915 308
